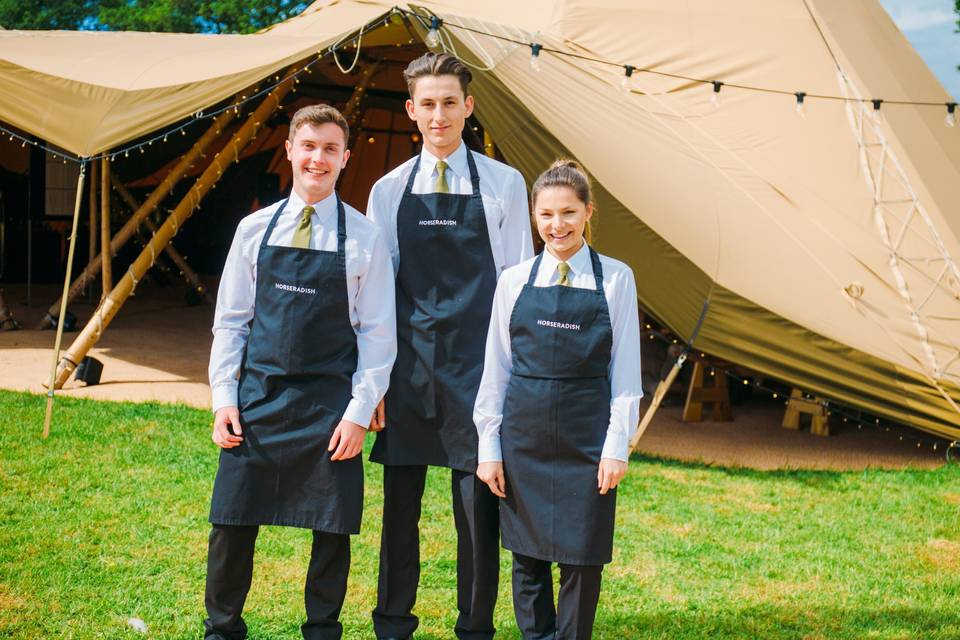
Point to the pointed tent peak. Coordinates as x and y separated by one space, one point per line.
530 16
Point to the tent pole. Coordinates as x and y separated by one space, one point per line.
162 191
63 306
488 146
188 274
231 151
94 223
106 255
657 399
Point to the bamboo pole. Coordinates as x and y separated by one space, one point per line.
105 312
488 147
63 305
178 172
188 274
106 254
658 396
93 205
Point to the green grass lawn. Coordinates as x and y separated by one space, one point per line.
107 519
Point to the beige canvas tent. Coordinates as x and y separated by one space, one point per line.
821 250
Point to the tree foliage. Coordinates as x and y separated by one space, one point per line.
184 16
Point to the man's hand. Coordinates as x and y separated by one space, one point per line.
379 420
610 474
347 440
221 435
492 474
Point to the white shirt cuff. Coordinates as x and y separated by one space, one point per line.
615 446
224 395
490 449
359 413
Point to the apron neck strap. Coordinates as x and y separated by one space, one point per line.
597 268
471 165
273 223
594 260
474 175
341 225
534 269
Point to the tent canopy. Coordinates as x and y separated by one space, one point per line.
820 250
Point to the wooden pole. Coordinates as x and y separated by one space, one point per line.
63 306
658 396
488 147
188 274
178 172
106 255
105 312
94 203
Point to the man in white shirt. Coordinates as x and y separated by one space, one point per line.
304 339
453 220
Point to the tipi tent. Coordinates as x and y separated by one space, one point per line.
821 250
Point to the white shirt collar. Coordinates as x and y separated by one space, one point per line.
579 262
456 161
322 209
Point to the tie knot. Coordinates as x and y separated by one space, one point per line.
442 167
305 213
564 270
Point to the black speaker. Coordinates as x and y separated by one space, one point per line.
69 321
89 371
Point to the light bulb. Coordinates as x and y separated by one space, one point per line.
433 35
626 83
951 119
715 96
801 109
535 56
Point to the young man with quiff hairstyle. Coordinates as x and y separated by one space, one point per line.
453 220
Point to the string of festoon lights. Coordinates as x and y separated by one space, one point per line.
236 106
950 449
433 24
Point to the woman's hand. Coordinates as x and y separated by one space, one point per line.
610 474
492 474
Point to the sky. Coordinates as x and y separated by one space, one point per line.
930 26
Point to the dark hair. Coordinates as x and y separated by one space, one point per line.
565 173
437 64
318 114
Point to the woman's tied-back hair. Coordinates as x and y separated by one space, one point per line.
437 64
566 173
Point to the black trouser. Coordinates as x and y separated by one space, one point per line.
537 617
477 517
230 570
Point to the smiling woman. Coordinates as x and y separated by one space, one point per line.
557 403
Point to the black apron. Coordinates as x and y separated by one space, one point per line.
295 384
444 290
555 418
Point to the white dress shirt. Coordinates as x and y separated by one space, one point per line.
502 190
370 293
620 290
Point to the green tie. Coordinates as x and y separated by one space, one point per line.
441 185
301 235
564 270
